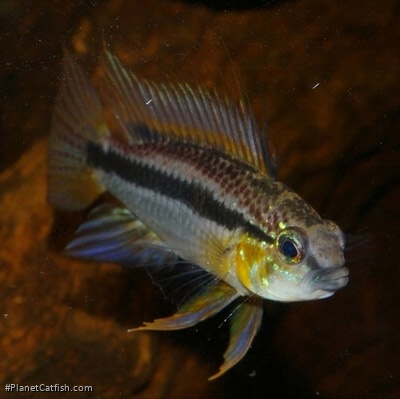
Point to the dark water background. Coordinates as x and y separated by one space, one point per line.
327 76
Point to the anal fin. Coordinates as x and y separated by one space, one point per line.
114 234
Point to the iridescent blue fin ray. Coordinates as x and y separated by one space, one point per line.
113 234
245 322
196 185
207 304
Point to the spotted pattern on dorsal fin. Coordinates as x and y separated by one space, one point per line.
146 111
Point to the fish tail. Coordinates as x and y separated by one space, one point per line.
77 120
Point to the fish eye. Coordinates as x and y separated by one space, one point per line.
291 246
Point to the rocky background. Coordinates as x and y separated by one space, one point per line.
326 74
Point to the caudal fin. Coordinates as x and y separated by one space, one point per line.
77 119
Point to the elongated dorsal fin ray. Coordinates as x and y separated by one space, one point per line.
146 111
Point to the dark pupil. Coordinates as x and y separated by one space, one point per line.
289 249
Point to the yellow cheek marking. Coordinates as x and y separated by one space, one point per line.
250 255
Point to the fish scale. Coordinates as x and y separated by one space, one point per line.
198 197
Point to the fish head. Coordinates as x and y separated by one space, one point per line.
301 263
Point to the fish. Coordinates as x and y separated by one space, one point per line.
197 199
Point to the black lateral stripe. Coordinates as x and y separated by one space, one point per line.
200 199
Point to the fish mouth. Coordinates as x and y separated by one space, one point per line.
329 280
323 283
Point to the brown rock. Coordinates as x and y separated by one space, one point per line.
328 75
62 321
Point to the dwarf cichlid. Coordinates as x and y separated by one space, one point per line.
198 196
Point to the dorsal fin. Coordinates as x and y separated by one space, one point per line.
146 111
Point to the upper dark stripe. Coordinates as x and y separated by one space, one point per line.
199 198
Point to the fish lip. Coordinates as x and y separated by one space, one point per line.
330 280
